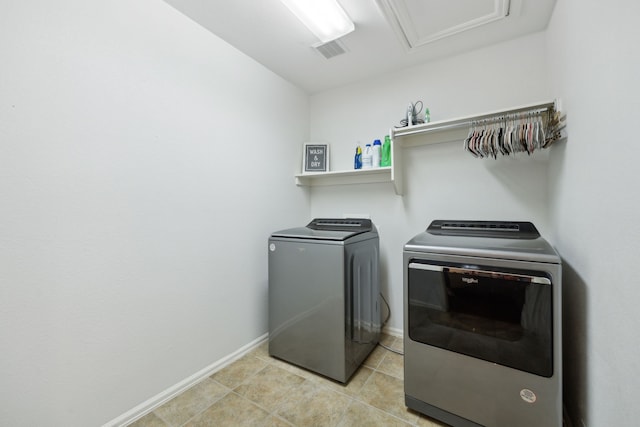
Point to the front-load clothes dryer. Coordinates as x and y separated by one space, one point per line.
324 311
482 325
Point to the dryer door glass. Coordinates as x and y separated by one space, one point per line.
502 316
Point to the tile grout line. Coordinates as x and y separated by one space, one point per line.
356 397
208 406
275 410
344 413
353 396
228 391
269 363
269 413
167 423
377 370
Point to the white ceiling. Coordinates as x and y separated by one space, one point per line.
418 31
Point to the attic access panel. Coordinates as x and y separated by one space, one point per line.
420 22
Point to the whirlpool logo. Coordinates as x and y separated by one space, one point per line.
469 280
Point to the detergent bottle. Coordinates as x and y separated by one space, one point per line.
377 148
367 157
357 160
385 157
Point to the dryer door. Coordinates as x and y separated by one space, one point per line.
499 315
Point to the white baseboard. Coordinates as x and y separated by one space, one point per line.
393 331
146 407
159 399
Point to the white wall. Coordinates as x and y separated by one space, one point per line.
442 181
123 126
594 65
143 164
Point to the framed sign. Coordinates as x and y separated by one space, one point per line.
315 157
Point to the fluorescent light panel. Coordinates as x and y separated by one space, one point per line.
325 18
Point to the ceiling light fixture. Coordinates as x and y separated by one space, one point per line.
324 18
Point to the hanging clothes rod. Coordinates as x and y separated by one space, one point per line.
467 121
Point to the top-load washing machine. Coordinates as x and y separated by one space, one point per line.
482 322
324 311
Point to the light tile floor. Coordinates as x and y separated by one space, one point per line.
258 390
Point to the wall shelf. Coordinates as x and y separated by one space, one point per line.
453 130
355 176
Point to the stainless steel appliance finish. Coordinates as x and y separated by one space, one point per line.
324 312
482 325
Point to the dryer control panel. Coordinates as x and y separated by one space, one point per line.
341 224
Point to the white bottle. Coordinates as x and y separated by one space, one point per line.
377 150
367 157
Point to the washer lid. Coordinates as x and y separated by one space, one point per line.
337 229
